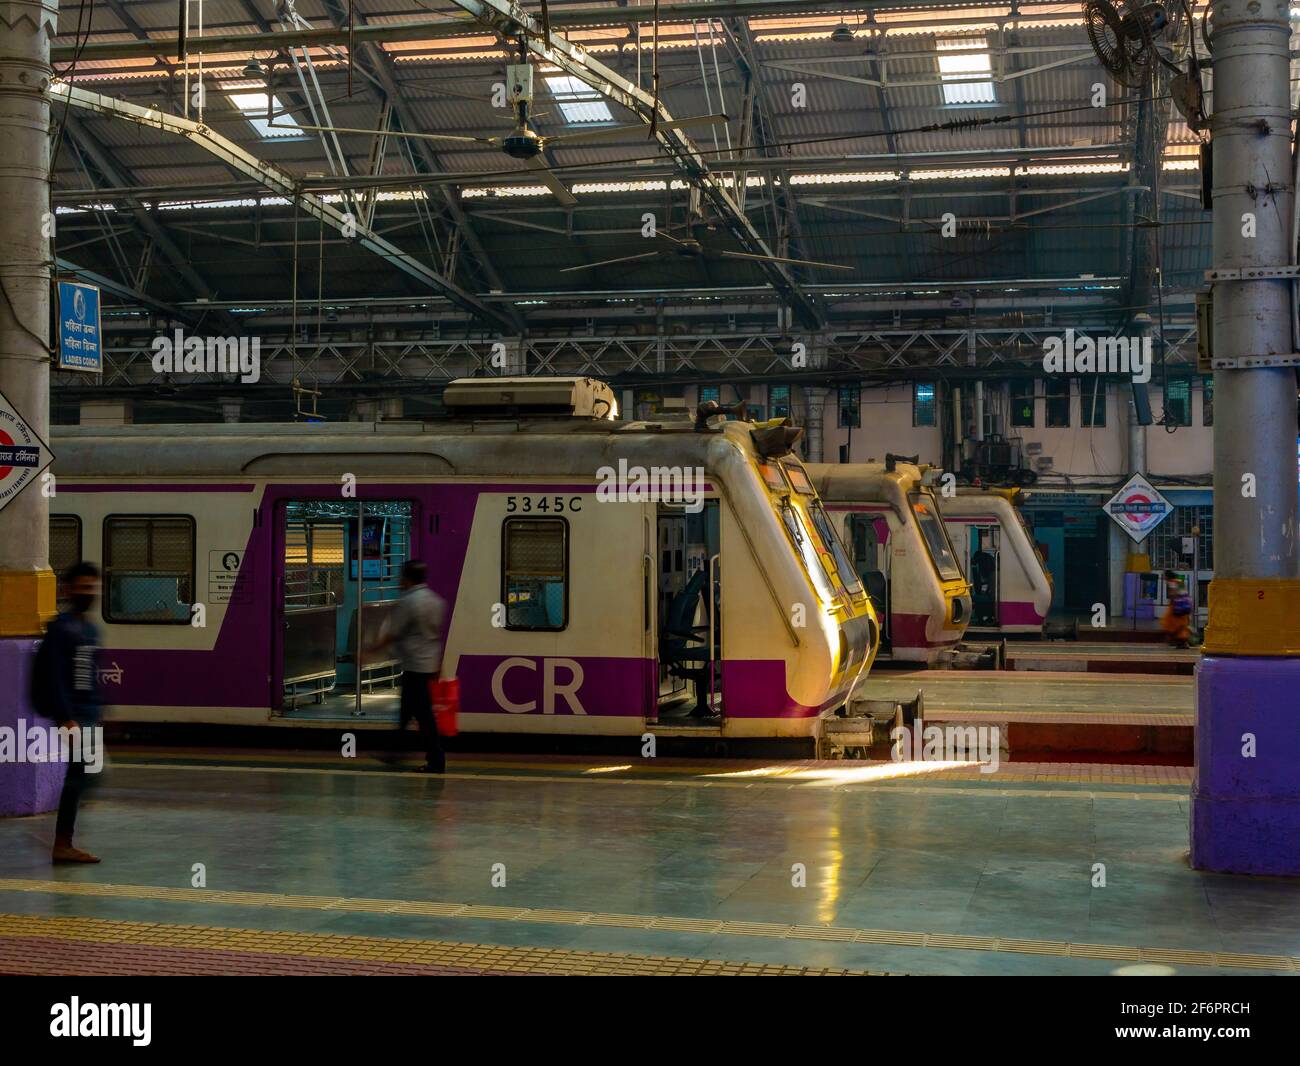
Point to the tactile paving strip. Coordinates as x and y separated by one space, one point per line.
47 945
705 927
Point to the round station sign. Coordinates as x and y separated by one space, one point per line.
1138 508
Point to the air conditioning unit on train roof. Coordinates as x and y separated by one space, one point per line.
530 397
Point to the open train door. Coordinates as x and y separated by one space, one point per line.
688 582
985 575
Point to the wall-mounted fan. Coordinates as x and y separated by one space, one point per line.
1127 34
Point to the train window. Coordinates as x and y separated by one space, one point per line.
772 476
822 523
535 572
65 542
65 548
927 517
148 569
798 479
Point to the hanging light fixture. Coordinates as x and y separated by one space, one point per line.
254 70
842 34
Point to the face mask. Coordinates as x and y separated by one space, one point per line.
82 601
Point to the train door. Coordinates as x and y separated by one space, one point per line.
984 572
688 608
342 566
870 560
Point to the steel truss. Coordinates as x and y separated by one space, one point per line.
391 366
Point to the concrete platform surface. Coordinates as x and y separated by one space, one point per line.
257 862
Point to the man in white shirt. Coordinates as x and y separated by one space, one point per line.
415 633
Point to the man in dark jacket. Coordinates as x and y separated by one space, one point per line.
67 690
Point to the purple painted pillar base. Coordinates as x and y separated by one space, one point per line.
25 788
1246 810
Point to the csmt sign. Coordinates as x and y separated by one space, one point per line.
23 455
1138 508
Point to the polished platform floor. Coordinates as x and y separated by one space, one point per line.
1028 696
317 864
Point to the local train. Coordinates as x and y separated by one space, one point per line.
1011 587
901 552
601 576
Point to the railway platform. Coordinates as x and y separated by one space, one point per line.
1084 715
243 862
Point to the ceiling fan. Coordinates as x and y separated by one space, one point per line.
525 143
693 246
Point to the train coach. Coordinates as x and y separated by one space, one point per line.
901 552
602 576
1011 585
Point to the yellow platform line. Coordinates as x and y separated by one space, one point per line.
777 780
703 926
355 949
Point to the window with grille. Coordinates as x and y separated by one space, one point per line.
1056 398
65 542
148 569
778 397
1165 545
535 573
850 407
65 548
1178 402
923 404
1092 402
1021 394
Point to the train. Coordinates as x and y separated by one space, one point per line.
602 576
901 552
1011 587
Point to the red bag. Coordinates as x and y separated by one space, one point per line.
446 705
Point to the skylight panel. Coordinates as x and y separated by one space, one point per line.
578 101
965 70
253 107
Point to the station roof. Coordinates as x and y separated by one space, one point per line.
847 129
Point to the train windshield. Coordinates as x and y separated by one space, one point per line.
806 550
936 539
798 478
833 545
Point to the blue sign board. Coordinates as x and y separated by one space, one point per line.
80 345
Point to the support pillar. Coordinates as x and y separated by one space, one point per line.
815 396
1246 792
26 583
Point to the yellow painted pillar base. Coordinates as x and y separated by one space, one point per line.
26 602
1253 616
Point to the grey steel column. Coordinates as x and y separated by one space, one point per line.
26 27
1255 410
816 396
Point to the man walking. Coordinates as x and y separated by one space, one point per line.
415 633
65 688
